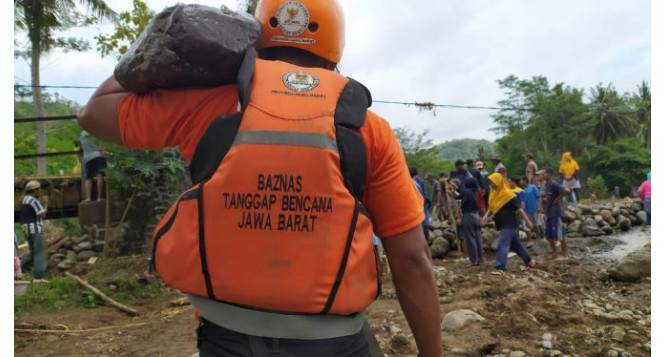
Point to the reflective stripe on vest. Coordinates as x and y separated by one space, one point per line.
274 226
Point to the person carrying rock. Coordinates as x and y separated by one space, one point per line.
504 207
32 213
273 244
554 229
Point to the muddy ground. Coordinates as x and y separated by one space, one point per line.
586 313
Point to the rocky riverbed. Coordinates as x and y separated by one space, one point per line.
595 304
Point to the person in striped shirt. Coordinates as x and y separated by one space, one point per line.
32 213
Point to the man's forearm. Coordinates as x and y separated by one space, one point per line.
100 115
415 284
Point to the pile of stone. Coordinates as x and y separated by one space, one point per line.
604 219
580 221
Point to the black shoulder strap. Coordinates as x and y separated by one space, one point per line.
349 116
220 135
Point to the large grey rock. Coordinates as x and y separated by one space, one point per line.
585 209
598 219
606 214
188 45
574 227
636 206
437 233
569 216
615 211
634 220
592 231
633 266
83 246
641 215
82 238
65 264
85 255
459 318
435 224
608 230
71 255
439 247
449 235
624 223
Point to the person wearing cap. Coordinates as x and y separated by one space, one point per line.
498 166
554 228
270 289
32 213
531 168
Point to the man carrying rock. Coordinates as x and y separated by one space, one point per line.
554 231
271 290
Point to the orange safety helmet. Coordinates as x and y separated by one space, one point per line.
316 26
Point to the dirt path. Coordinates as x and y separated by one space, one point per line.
574 301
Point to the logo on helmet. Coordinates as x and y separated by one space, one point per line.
300 81
293 18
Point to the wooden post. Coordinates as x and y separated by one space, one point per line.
107 232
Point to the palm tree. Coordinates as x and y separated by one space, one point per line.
42 19
611 116
641 103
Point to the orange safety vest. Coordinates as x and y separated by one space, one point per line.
274 221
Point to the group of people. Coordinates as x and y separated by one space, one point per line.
470 196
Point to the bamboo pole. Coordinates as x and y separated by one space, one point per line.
103 296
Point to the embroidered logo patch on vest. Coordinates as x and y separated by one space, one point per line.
300 81
293 18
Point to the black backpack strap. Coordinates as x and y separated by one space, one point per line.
220 135
349 116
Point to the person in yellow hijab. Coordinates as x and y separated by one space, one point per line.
504 206
569 172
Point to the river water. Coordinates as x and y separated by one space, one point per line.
626 243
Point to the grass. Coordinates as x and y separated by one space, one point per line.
117 278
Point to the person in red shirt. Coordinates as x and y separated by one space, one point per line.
180 117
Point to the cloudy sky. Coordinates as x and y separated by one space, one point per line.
446 52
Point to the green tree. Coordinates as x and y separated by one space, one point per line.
249 6
640 102
130 25
42 19
611 115
623 163
419 151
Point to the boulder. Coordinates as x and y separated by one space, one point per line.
643 218
70 255
188 45
633 266
606 214
435 224
569 216
636 206
65 264
585 209
449 235
613 221
574 227
83 246
635 221
615 211
624 223
457 319
81 239
598 219
437 233
439 247
523 235
624 212
607 229
592 231
85 255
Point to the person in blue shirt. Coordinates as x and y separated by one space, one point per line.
426 222
533 206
